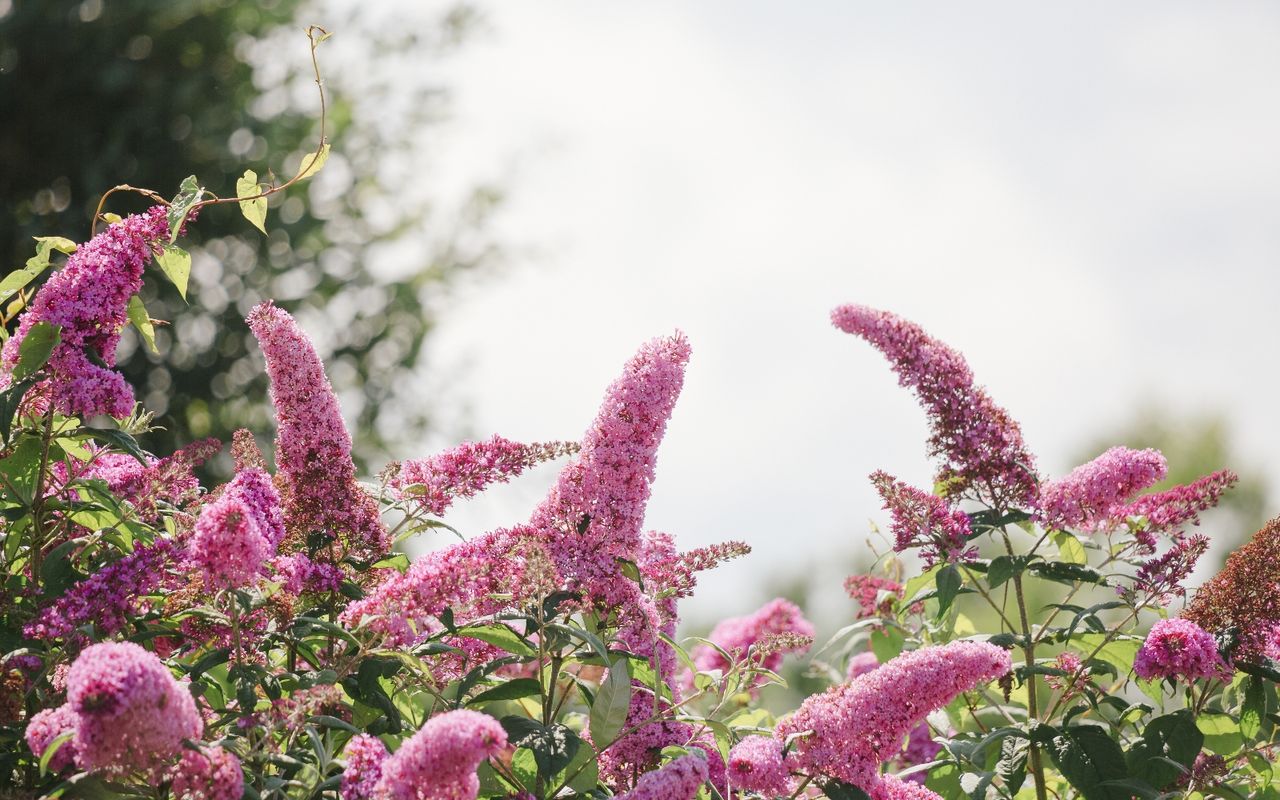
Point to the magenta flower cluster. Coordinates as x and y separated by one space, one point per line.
738 635
125 710
678 780
756 764
238 532
88 300
852 728
979 443
1179 648
439 761
1095 492
463 471
925 521
313 447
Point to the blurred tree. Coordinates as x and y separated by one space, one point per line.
103 92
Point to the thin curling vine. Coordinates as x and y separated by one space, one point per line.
263 638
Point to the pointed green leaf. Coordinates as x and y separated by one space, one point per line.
511 690
36 348
189 193
312 162
949 582
254 210
609 711
142 321
1255 706
1087 757
176 264
500 636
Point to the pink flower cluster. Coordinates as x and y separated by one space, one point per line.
297 573
920 747
1179 648
1092 493
595 512
210 773
461 577
238 533
678 780
47 725
1166 511
364 754
88 300
739 635
109 597
756 765
924 520
854 727
313 448
1163 575
130 713
434 483
980 444
439 761
874 594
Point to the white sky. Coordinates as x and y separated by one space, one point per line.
1082 198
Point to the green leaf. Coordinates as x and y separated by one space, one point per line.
1012 766
142 321
176 265
839 790
1087 757
10 401
920 583
189 193
21 468
313 162
500 636
59 243
1170 738
117 438
37 264
36 348
335 723
609 711
511 690
1255 706
254 210
1069 548
51 750
525 766
887 642
1005 568
1119 653
57 571
1221 733
1069 574
949 583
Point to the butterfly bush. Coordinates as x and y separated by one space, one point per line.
301 631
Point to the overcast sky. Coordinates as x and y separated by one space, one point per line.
1082 198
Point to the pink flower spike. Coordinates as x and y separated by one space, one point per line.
228 544
924 520
364 754
210 773
1179 648
1091 493
979 443
1166 511
756 765
738 635
595 512
678 780
852 728
313 448
88 300
439 762
464 471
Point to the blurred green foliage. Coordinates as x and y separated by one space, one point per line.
144 92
